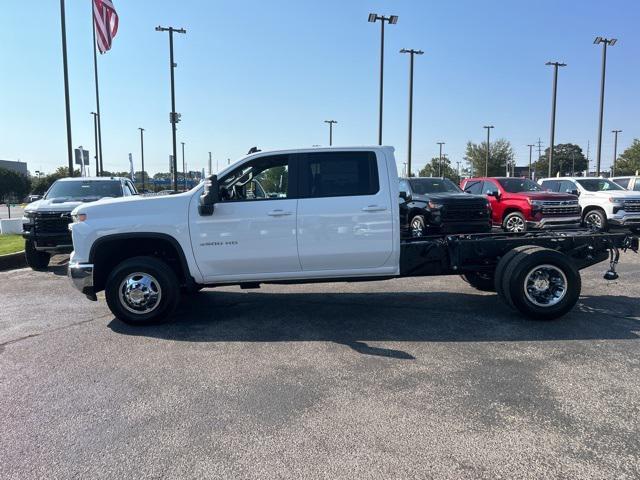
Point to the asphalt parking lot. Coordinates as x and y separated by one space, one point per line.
412 378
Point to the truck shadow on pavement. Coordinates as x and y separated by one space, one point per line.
353 319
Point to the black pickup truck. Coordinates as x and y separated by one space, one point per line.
435 205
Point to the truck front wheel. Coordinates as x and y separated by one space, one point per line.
514 223
542 284
142 291
35 259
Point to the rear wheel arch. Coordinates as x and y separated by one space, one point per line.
109 251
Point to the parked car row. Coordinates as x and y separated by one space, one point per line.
438 206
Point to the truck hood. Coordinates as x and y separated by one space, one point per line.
133 206
544 195
53 205
449 197
621 194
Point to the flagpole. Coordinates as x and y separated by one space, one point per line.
66 87
95 74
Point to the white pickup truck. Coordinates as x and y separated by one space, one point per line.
604 203
308 215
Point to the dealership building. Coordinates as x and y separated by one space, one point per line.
18 167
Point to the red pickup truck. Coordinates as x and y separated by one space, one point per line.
519 204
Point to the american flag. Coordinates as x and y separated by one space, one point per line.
106 22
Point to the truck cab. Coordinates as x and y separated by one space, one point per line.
46 220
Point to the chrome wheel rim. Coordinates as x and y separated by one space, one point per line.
545 285
417 228
593 221
140 293
515 224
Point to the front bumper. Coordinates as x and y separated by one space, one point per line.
81 276
555 222
626 219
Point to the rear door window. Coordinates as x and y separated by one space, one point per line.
338 174
551 185
623 182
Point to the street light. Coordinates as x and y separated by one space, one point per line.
615 150
391 20
605 43
440 159
174 117
486 161
553 109
411 53
330 122
530 153
142 154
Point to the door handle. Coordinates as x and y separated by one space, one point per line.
374 208
278 213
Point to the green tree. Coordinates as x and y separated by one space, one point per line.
432 169
13 186
568 159
628 163
499 154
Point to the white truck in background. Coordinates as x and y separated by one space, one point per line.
604 203
308 215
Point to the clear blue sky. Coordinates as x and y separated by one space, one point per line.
268 74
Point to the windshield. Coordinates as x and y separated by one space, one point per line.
433 185
517 185
85 190
598 185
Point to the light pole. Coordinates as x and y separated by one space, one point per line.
142 154
440 158
411 53
330 122
184 169
391 20
553 109
615 150
530 154
174 117
605 43
65 70
95 135
486 161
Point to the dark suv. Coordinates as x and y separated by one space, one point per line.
435 205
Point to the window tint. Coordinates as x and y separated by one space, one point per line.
551 185
489 187
338 174
422 186
598 185
265 178
517 185
636 187
623 182
567 186
473 186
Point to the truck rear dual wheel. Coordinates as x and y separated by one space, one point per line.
35 259
540 283
142 291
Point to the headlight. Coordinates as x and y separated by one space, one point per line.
434 205
536 203
616 201
29 217
79 217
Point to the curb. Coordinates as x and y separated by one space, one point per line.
12 261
